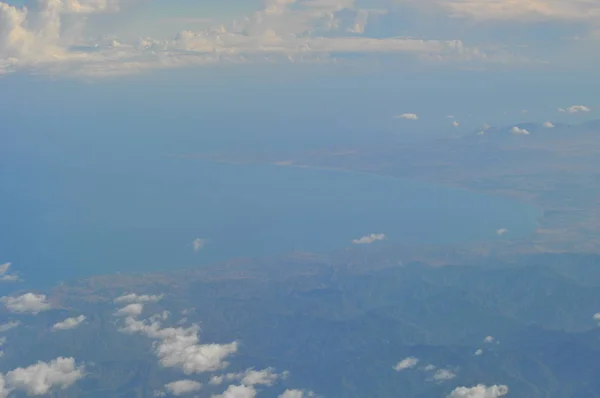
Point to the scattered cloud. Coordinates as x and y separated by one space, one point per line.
479 391
198 244
4 327
519 131
575 109
182 387
5 276
132 310
296 394
501 231
407 116
134 298
479 352
548 125
27 303
368 239
455 123
489 339
597 317
180 347
69 323
41 378
444 374
240 391
406 363
428 368
251 377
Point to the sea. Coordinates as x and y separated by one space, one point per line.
68 214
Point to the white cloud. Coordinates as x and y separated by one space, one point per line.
575 109
142 298
455 123
428 368
5 276
501 231
182 387
41 378
181 348
26 303
479 352
302 30
406 363
548 125
240 391
524 10
479 391
444 374
597 316
130 310
198 244
368 239
251 377
69 323
4 327
407 116
488 339
519 131
296 394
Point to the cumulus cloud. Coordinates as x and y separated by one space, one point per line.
489 339
479 352
41 378
198 244
575 109
368 239
296 394
444 374
519 131
597 317
5 276
133 310
455 123
479 391
69 323
27 303
182 387
501 231
407 116
134 298
251 377
406 363
295 30
180 347
4 327
548 125
240 391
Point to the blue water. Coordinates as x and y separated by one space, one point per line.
70 216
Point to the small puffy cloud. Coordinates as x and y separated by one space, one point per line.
489 339
134 310
575 109
240 391
407 116
548 125
198 244
134 298
69 323
251 377
501 231
180 347
479 391
406 363
455 123
428 368
444 374
481 132
597 317
5 276
4 327
182 387
27 303
296 394
41 378
368 239
479 352
519 131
